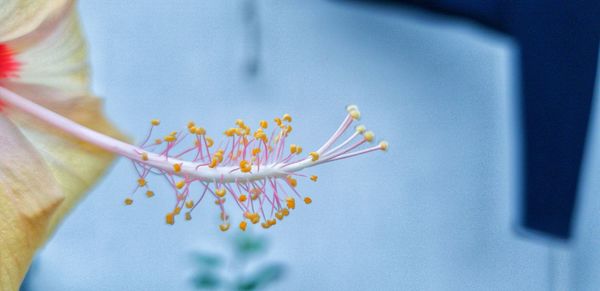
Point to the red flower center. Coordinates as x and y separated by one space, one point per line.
9 67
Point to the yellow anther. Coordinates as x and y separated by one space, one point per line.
314 178
361 129
128 201
243 225
173 133
285 212
170 218
149 194
158 141
264 124
213 164
307 200
298 150
209 142
142 182
265 225
293 148
242 198
177 210
224 226
277 121
188 216
253 217
245 166
200 131
288 129
189 204
177 167
180 184
144 156
192 129
220 192
170 138
369 136
287 117
230 131
279 215
384 145
255 151
155 122
293 182
291 202
260 135
314 156
191 124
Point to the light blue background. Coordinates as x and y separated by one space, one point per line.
437 212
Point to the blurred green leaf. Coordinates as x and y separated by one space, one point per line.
207 260
263 277
206 280
246 245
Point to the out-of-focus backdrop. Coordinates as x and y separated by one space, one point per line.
437 212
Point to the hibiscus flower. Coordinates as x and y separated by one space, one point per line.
43 171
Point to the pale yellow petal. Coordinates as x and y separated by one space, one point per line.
75 165
29 198
21 17
58 60
44 172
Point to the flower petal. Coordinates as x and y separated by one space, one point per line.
76 165
20 17
59 59
29 197
43 171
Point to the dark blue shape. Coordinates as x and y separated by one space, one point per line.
559 51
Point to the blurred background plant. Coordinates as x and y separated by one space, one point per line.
242 268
